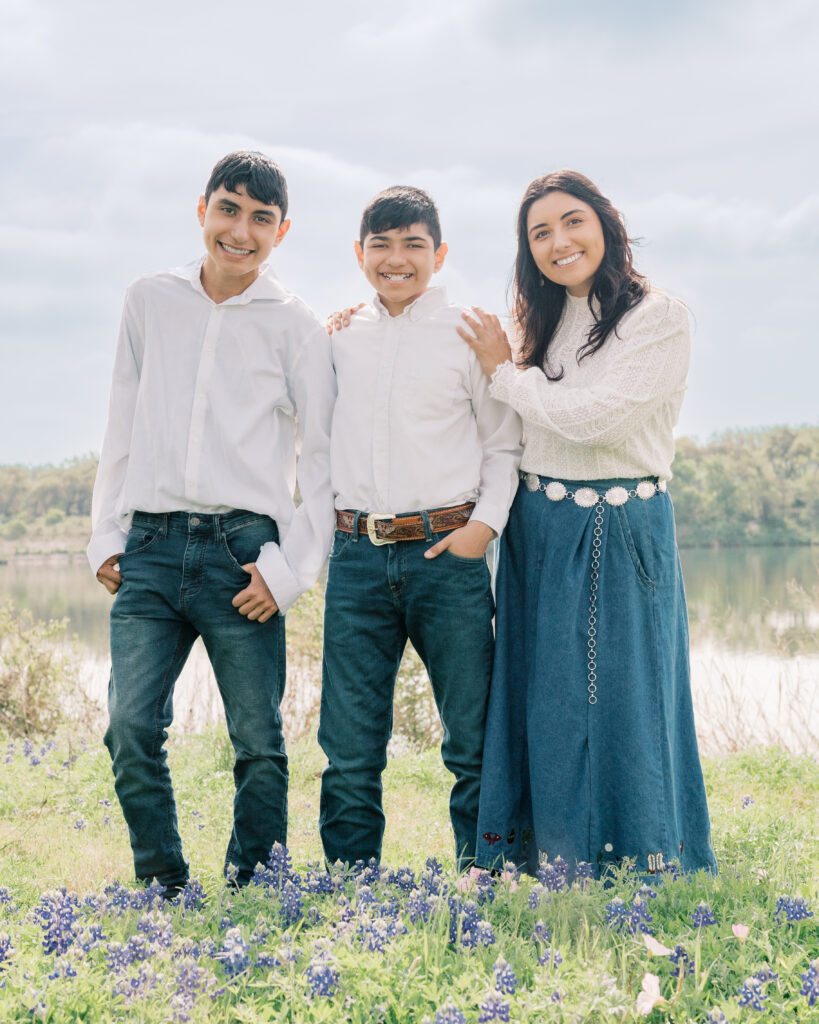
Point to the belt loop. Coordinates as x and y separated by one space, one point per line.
427 528
356 517
217 527
164 524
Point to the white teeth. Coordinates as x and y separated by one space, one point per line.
569 259
397 277
234 251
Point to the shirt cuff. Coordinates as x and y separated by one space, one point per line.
281 581
500 383
494 517
102 546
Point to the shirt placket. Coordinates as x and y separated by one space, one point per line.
388 354
199 409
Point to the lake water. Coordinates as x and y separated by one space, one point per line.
754 615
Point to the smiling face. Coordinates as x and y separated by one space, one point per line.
399 264
566 241
239 233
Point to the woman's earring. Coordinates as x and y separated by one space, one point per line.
542 281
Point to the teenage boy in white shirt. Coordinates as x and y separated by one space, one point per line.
424 470
219 373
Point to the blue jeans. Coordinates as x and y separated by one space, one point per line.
180 572
377 597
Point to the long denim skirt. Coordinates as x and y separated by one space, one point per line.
590 750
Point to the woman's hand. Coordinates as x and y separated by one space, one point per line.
487 339
335 321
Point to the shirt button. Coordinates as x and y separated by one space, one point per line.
195 520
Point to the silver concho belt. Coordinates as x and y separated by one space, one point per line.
587 497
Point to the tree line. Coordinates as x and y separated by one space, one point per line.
741 487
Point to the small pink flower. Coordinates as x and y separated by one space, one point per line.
741 931
509 878
650 996
465 881
654 947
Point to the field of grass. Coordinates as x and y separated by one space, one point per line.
408 942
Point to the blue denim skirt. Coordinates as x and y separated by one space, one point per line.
590 751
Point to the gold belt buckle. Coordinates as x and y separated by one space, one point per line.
372 517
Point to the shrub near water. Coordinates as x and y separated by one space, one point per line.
404 943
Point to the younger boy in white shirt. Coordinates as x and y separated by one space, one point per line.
424 470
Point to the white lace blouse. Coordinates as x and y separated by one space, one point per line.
613 413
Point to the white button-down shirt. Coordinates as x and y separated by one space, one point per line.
208 405
414 425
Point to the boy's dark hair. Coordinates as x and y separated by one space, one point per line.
261 177
400 206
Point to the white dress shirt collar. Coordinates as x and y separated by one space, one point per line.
266 285
427 301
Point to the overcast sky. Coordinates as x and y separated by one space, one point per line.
699 120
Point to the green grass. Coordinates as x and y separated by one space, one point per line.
766 849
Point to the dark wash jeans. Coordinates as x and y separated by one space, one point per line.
376 598
180 572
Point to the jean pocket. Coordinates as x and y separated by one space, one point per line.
242 545
341 543
631 539
480 560
140 538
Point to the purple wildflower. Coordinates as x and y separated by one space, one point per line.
682 961
450 1015
191 980
550 957
810 982
702 916
192 896
290 902
322 976
233 953
62 969
56 916
766 974
715 1017
790 909
419 907
554 876
747 802
633 919
535 896
484 934
494 1007
750 994
403 879
139 985
505 979
6 949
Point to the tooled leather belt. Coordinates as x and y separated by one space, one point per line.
387 528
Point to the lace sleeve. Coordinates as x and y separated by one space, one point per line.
647 363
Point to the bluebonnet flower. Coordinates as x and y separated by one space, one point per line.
290 902
505 979
403 879
139 985
550 957
682 961
322 976
192 896
449 1014
118 896
557 996
157 929
790 909
715 1017
540 933
118 957
7 900
225 923
89 938
62 969
633 919
369 873
810 982
535 896
233 953
6 949
28 747
583 873
645 892
56 915
702 916
318 880
279 862
554 876
419 907
766 974
265 959
750 994
484 934
191 980
364 896
374 934
747 802
494 1007
79 824
431 880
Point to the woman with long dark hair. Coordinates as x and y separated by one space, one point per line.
590 750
